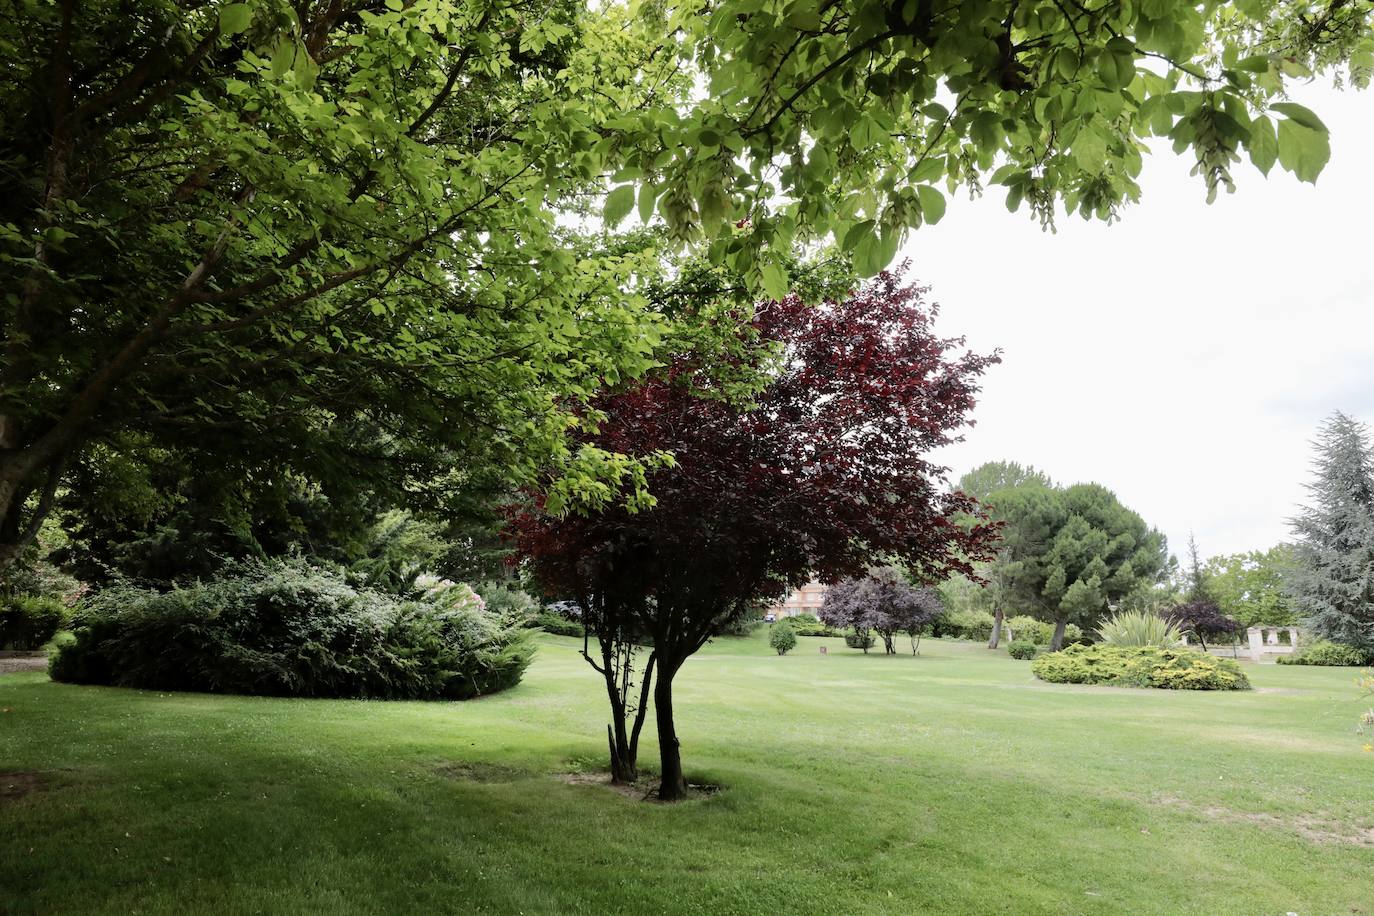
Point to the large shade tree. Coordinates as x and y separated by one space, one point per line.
1030 512
827 472
279 229
1076 552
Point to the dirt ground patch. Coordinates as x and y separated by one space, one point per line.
479 772
18 784
644 790
1312 828
12 663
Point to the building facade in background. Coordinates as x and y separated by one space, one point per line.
805 600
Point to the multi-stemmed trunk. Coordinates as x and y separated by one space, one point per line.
627 716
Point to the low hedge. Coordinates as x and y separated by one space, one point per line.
1140 666
1326 652
285 628
1021 648
556 624
26 623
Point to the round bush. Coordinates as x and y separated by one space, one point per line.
285 628
782 638
855 641
29 622
1171 668
1021 648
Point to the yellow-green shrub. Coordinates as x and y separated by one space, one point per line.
1169 668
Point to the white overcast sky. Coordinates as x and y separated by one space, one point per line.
1183 356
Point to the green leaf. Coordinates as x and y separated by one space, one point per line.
1262 145
1090 149
774 280
928 170
856 234
1116 70
618 204
932 203
648 196
1302 151
235 17
1304 116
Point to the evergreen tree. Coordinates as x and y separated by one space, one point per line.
1333 582
1197 575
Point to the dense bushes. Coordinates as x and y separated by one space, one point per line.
1022 649
976 625
1325 652
285 628
557 624
1024 628
810 625
1174 668
782 638
28 622
858 641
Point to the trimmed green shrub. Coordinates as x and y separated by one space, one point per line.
557 624
782 638
27 623
285 628
1169 668
855 641
1325 652
1022 649
810 625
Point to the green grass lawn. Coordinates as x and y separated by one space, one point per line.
952 783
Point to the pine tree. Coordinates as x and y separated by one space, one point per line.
1333 582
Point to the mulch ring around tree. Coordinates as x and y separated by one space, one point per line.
11 662
644 790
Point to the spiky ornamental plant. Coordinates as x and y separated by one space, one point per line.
1333 579
1139 628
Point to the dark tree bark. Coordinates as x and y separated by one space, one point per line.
1057 642
673 785
996 626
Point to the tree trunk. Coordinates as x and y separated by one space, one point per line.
889 645
996 627
673 785
1057 642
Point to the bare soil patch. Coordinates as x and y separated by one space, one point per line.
18 784
644 790
479 772
1311 827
